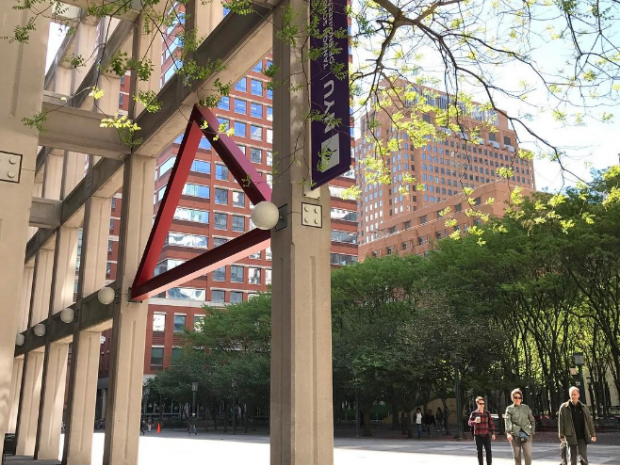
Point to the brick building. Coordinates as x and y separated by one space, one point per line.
443 165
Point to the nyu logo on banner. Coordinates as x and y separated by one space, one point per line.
329 92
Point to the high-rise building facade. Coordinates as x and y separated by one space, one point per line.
444 165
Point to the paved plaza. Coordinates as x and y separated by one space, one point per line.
177 447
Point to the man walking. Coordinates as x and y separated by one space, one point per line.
575 428
482 423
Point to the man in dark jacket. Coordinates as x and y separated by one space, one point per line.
575 428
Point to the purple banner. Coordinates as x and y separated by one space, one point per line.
330 151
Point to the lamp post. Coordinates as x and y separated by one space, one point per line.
145 396
457 392
578 357
194 391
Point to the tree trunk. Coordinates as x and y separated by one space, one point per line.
226 416
395 418
366 419
408 424
245 418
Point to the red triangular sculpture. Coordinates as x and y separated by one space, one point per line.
201 122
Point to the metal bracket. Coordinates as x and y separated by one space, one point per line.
282 220
311 215
10 167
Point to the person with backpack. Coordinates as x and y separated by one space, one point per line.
520 426
484 430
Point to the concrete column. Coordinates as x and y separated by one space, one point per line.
37 191
208 16
82 399
301 347
64 268
25 297
52 402
75 167
29 404
43 270
16 384
21 81
85 41
52 181
129 324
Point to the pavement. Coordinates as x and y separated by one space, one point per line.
172 447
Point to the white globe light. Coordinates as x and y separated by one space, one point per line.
106 295
67 315
39 329
20 339
265 215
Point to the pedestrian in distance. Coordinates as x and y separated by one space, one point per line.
575 428
149 423
418 422
430 421
520 425
192 424
142 427
439 419
484 430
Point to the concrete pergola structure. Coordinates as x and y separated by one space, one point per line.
43 185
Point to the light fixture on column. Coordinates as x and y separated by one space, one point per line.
106 295
20 339
67 315
39 329
265 215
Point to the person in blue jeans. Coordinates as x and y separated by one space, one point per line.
418 421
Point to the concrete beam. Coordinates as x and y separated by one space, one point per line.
45 213
130 13
90 314
238 41
77 130
102 181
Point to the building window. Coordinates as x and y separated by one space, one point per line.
257 88
187 240
342 259
224 103
241 106
236 274
179 323
270 136
403 246
268 253
111 224
198 320
221 173
344 236
177 354
189 214
221 196
217 297
458 208
221 221
254 275
256 155
242 85
256 110
157 357
269 158
238 223
423 219
240 129
166 166
268 276
256 132
238 199
219 274
199 166
196 190
186 293
204 144
159 322
217 241
224 124
258 67
236 297
269 114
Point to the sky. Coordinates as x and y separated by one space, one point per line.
594 146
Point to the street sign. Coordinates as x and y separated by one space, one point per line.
330 152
